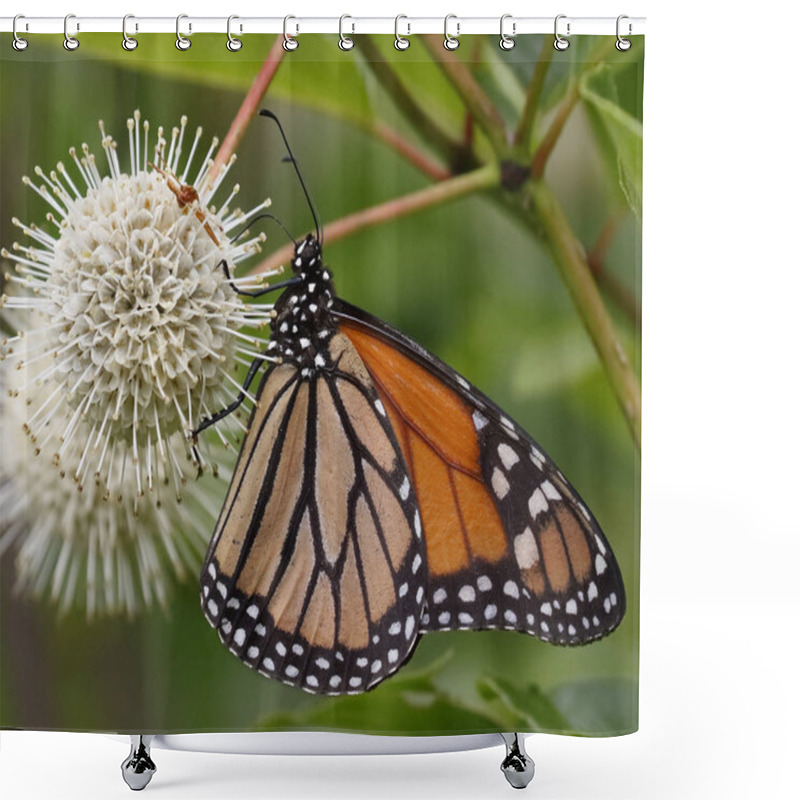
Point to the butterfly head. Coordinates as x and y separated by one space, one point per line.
307 258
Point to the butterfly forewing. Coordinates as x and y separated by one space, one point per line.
316 571
509 542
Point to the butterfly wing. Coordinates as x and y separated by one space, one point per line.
315 574
510 544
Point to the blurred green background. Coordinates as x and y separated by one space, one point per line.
466 280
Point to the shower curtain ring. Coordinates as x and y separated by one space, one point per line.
345 42
290 43
560 42
622 43
450 42
128 42
507 42
181 42
233 44
70 42
400 42
19 43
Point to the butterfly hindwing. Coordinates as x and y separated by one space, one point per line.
510 543
316 572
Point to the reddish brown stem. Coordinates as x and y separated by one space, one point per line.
554 131
249 106
416 157
612 285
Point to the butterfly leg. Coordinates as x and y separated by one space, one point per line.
138 768
257 292
217 416
517 766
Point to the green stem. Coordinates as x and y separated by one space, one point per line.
474 98
523 133
442 192
570 259
407 103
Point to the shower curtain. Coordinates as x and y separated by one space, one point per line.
424 516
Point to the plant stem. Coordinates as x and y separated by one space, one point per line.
475 99
595 61
407 150
554 131
442 192
622 297
523 133
407 103
571 261
249 106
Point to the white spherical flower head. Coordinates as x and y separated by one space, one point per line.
142 315
130 328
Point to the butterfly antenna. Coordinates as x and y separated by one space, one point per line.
267 113
256 219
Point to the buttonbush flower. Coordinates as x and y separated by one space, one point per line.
128 334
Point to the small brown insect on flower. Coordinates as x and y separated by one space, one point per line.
186 196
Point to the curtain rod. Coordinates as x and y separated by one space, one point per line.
298 25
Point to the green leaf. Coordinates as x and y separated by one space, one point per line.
607 706
523 708
620 135
410 701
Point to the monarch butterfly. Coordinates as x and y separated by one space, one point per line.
379 496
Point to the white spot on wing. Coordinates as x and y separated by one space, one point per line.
525 549
550 491
507 455
571 607
537 503
600 564
466 594
500 484
511 589
479 420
